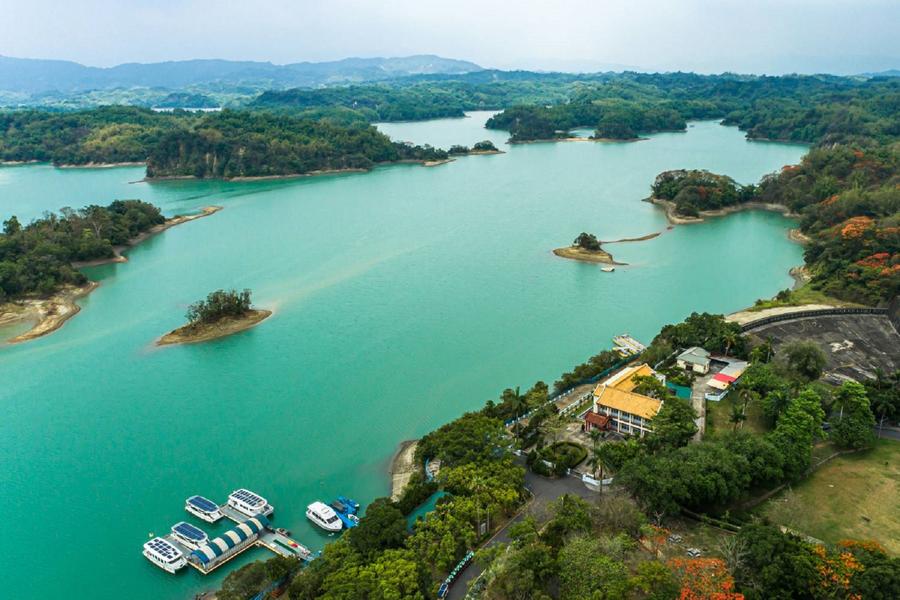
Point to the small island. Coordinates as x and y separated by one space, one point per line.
586 247
482 147
222 313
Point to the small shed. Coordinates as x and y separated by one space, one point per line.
694 359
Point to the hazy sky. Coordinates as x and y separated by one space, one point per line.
715 35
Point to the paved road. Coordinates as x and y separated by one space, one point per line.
888 433
545 490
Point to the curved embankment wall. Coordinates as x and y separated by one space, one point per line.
824 312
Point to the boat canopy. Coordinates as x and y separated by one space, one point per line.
231 538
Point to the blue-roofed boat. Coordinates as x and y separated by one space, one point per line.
164 555
188 535
203 508
350 503
345 513
249 503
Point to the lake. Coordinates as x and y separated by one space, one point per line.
402 298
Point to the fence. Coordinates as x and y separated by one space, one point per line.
567 392
824 312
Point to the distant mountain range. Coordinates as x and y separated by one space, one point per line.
888 73
27 76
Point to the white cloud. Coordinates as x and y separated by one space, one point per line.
765 35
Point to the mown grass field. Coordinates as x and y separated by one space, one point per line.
854 496
718 415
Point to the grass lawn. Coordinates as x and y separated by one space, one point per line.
855 496
803 295
719 413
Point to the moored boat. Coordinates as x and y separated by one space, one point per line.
249 503
203 508
188 535
324 516
350 503
164 555
607 269
346 513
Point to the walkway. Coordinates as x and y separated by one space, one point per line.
545 491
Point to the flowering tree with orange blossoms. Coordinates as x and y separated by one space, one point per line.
855 227
704 579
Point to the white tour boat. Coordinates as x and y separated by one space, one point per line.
164 554
203 508
249 503
324 516
190 536
607 269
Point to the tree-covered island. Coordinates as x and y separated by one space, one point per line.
222 313
586 247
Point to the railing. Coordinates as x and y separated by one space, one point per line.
445 586
561 395
800 314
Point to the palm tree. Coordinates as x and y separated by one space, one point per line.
737 416
730 339
596 460
516 402
746 396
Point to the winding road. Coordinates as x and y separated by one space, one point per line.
545 490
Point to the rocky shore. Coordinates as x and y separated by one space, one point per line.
204 332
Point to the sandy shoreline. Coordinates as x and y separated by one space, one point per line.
49 313
318 173
222 328
676 219
52 312
579 139
402 467
93 165
596 256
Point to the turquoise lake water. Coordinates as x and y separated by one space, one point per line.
402 298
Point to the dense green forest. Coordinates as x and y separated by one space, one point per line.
218 305
427 97
815 109
849 201
37 258
222 144
251 144
110 134
693 191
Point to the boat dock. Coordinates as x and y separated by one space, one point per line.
274 541
248 532
627 345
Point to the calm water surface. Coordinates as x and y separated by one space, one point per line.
402 297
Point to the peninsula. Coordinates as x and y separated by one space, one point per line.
222 313
88 237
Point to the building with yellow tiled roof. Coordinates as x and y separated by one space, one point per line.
628 412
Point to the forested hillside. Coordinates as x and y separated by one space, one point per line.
37 257
226 144
797 108
243 144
